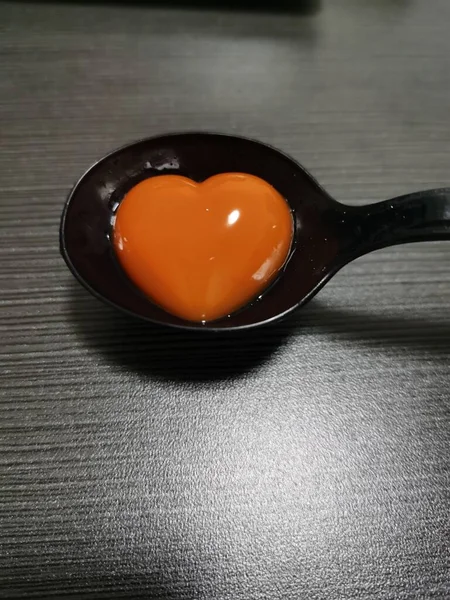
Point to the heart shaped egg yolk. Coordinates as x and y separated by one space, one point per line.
202 250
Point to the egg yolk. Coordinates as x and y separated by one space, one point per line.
202 250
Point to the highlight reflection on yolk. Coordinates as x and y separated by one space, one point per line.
202 250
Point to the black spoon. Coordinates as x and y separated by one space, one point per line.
328 234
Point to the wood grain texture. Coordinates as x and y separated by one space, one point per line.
309 460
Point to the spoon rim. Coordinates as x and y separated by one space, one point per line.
188 325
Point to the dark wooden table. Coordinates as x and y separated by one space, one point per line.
306 461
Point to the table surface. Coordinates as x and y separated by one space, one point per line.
306 460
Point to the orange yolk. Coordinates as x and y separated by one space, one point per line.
202 250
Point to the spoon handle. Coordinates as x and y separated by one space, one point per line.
418 217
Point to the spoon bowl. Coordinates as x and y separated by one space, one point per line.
327 234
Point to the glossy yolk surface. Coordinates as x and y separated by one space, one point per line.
202 250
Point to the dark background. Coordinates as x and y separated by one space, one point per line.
307 460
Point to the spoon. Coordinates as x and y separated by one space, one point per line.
328 234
